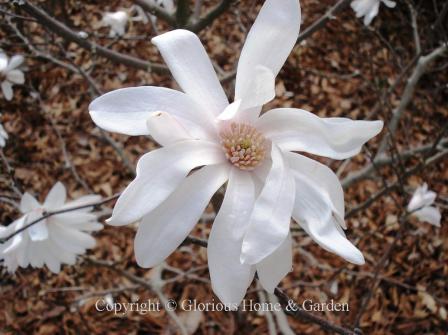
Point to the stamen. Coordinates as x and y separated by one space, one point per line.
244 146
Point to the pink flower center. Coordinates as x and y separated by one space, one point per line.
244 146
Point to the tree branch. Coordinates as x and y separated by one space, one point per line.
65 32
157 11
422 65
210 16
316 25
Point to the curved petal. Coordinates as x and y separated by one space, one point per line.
15 62
323 178
39 230
7 90
85 200
429 214
262 90
271 216
313 212
276 266
230 278
268 44
166 227
371 13
299 130
165 129
3 61
28 203
19 238
71 240
159 173
126 110
188 61
56 197
15 76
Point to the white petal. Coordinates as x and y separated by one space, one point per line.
71 240
83 201
422 197
3 61
7 90
15 62
299 130
28 203
270 218
370 15
429 214
262 90
166 227
313 211
322 177
230 278
165 129
126 110
268 43
73 218
159 173
64 256
38 231
389 3
189 63
87 226
51 257
230 111
18 239
277 265
56 197
16 76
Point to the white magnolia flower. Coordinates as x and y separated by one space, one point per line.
54 241
10 73
201 132
369 8
117 22
3 136
420 205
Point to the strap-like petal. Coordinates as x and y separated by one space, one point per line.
299 130
230 278
190 65
166 227
268 44
159 173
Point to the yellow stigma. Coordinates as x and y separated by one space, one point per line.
244 146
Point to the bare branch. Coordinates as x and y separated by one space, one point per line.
318 24
209 17
422 66
65 32
157 11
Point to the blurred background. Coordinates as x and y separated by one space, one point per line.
392 70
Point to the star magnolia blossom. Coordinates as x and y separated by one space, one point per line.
117 22
10 74
267 183
420 205
369 8
54 241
